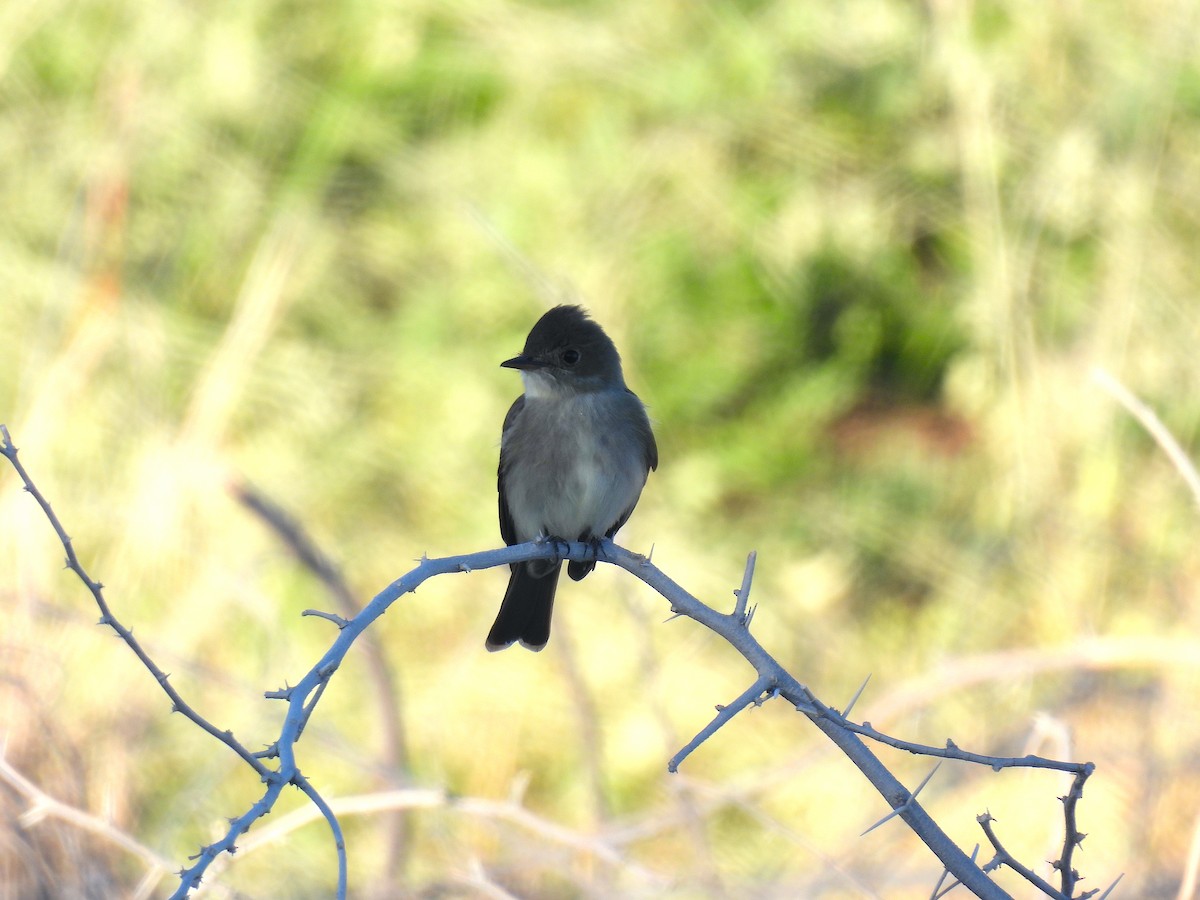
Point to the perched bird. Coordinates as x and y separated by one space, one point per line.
574 455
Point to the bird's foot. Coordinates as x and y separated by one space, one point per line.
597 547
561 546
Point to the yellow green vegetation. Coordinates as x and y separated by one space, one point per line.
861 260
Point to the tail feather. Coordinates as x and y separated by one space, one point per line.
525 611
579 570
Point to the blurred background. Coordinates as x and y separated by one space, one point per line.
862 261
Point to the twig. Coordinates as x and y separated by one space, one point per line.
1003 857
1073 838
752 694
743 594
328 616
428 799
1153 424
178 704
953 751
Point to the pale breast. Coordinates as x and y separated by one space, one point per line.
571 469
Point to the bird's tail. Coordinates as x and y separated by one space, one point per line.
525 611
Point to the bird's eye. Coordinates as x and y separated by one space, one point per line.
570 357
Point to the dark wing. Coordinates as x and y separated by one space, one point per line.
649 455
646 435
651 447
508 530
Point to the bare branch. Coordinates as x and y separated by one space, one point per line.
752 694
332 617
1004 858
1072 838
743 594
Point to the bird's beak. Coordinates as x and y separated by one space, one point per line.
524 363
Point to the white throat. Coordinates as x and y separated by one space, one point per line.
538 385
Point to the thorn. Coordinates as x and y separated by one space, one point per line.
903 806
950 745
849 706
1079 838
1112 887
892 814
921 786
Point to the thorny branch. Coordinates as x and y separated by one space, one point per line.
772 681
276 780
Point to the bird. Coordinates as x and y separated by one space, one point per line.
576 449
